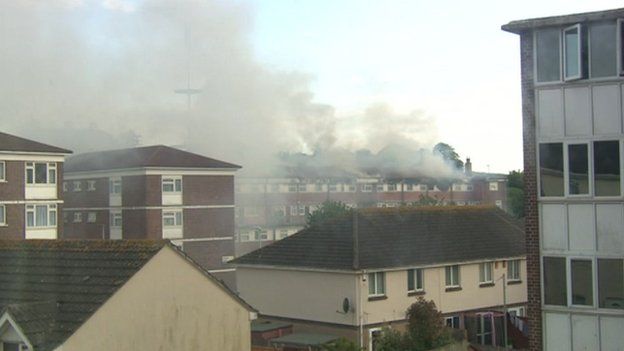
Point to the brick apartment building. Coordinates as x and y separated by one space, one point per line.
272 208
154 192
572 68
30 196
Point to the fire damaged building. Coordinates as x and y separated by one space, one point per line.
154 192
572 70
274 207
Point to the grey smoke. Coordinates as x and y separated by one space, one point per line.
92 75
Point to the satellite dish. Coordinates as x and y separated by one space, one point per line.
345 305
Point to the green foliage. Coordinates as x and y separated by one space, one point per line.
426 200
449 155
341 344
391 340
515 193
327 211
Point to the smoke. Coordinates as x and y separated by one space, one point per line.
93 75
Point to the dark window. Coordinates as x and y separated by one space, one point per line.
611 283
41 173
578 163
414 280
10 346
603 49
547 49
551 169
582 282
607 168
452 322
555 290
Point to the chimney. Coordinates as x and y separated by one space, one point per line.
468 167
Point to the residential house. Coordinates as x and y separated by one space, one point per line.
353 275
65 295
572 69
154 192
30 196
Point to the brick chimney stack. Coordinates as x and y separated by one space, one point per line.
468 167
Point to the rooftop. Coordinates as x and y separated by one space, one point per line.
14 143
398 237
527 24
142 157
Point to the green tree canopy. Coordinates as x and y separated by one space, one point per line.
327 211
448 153
515 193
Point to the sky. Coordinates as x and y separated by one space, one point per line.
447 59
312 76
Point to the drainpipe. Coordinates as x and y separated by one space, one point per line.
358 279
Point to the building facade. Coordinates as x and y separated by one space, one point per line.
353 276
270 209
572 115
30 196
154 192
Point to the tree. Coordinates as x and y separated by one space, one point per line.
341 344
447 152
327 211
515 193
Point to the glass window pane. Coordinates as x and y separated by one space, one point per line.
410 279
555 282
551 169
547 55
42 215
611 283
2 214
178 218
52 217
52 175
2 176
603 49
178 185
381 288
30 218
371 283
419 279
448 276
582 282
607 168
41 173
578 164
572 64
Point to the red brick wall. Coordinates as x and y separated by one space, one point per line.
85 230
208 222
16 223
141 191
13 188
84 198
142 224
208 190
208 253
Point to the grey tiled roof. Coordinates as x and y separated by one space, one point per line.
50 287
140 157
398 237
14 143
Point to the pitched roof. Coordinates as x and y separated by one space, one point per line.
51 287
526 24
398 237
140 157
14 143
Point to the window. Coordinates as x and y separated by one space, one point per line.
374 335
261 234
493 186
172 218
582 282
65 187
77 217
485 273
318 187
275 188
302 210
90 185
243 237
452 276
351 188
547 55
292 188
409 187
513 270
2 215
470 187
91 217
367 188
279 211
40 173
555 282
302 188
607 168
423 187
380 187
40 215
333 188
77 186
603 52
2 171
172 185
452 322
376 284
415 280
551 169
293 210
573 51
611 283
116 220
484 328
621 42
115 186
392 187
283 233
578 169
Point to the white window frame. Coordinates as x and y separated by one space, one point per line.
576 27
51 213
3 216
77 186
372 331
452 321
301 210
367 188
175 215
90 185
91 217
455 281
486 273
417 282
51 173
513 274
113 217
65 187
302 188
174 182
2 171
379 289
379 188
115 186
77 217
292 188
493 186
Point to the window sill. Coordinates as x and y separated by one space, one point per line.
453 288
514 282
416 293
486 285
377 298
